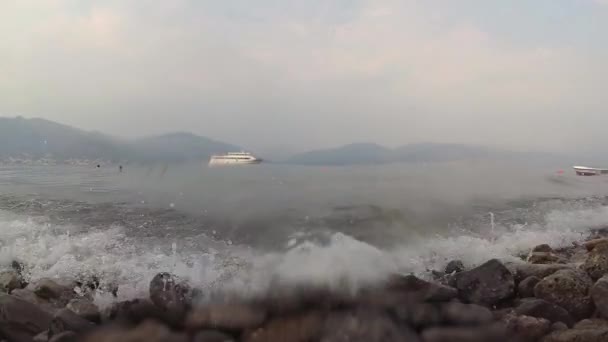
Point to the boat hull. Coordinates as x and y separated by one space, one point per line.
230 162
589 171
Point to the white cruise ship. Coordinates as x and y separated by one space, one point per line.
234 158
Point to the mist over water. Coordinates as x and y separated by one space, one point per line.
244 228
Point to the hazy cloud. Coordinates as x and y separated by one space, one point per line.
311 73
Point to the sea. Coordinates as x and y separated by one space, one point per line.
244 229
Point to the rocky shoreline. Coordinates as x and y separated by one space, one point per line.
552 295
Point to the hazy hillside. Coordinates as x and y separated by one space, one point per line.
361 153
367 153
180 146
37 138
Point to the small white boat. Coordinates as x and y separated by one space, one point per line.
234 158
589 171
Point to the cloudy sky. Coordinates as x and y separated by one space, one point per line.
299 74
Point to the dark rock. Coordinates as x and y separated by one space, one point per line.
212 336
42 337
544 248
66 336
568 289
596 264
417 289
577 335
591 244
487 284
139 310
559 326
526 328
578 256
51 290
524 270
543 309
148 331
465 334
21 320
287 300
9 281
302 327
454 266
66 320
418 315
599 295
30 297
465 314
364 326
169 293
592 324
526 287
17 267
225 317
545 258
85 309
502 313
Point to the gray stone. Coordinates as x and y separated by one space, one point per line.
559 326
465 334
487 284
599 294
226 317
521 270
170 293
9 281
212 336
591 244
416 289
544 309
419 315
545 258
526 328
454 266
42 337
596 264
66 320
526 287
577 335
21 320
302 327
364 326
593 323
465 314
568 289
148 331
66 336
544 248
51 290
30 297
85 309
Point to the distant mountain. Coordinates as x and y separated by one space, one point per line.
360 153
368 153
181 146
36 139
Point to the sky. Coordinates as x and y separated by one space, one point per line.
293 75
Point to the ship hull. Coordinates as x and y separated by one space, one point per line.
589 171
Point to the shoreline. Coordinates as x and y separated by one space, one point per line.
554 295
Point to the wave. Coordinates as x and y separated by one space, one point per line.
70 251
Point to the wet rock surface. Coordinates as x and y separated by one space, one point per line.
524 301
544 309
487 284
568 289
596 264
526 287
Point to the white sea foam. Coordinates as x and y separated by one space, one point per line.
65 251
